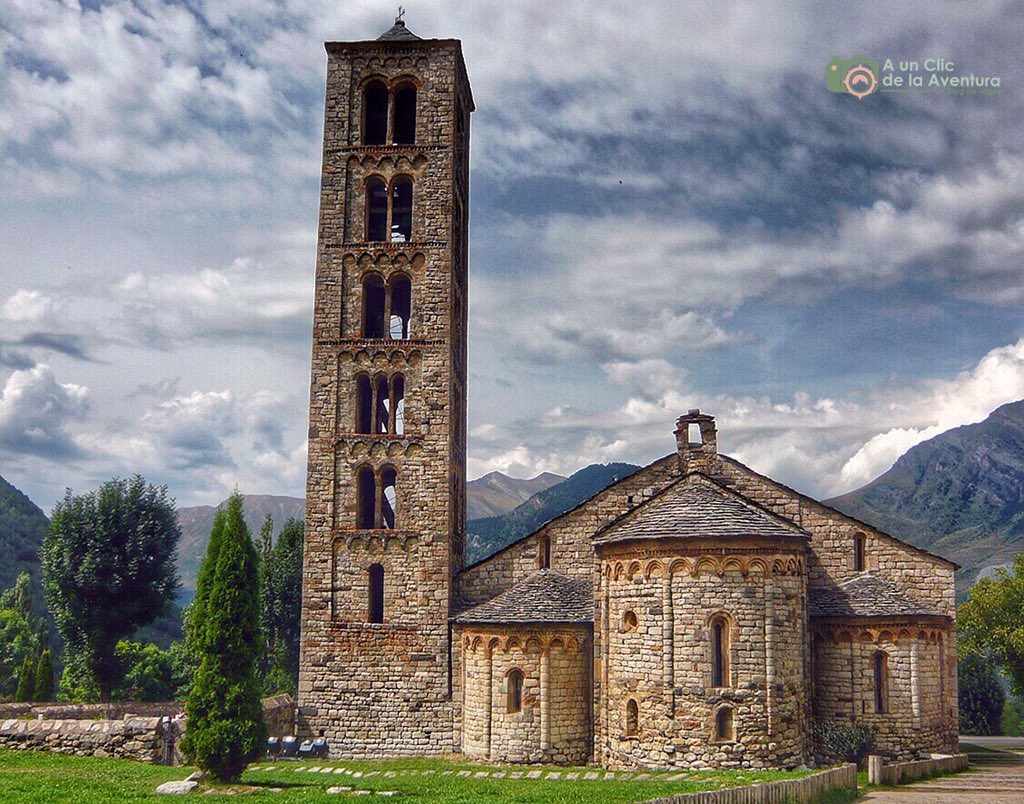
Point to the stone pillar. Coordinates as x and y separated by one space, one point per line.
875 765
489 706
769 652
667 645
545 695
915 683
605 661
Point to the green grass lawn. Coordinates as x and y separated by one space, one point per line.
46 777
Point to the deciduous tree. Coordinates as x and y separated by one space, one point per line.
991 621
108 569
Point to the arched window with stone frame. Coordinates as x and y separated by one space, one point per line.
514 691
632 724
719 634
880 681
544 551
374 306
860 548
404 124
376 210
366 498
375 113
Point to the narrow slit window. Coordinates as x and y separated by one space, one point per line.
405 114
377 211
859 552
389 497
719 652
383 411
373 307
514 692
881 662
366 496
375 113
375 585
364 404
544 552
401 210
401 306
398 402
632 718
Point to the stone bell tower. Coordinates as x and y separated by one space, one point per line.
385 499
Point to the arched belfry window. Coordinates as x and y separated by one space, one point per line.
401 210
632 718
405 114
400 295
881 681
388 497
514 691
374 300
364 404
375 113
398 404
860 552
366 498
375 588
382 413
376 210
719 632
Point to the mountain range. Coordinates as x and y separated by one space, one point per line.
959 494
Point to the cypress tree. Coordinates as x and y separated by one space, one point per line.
26 680
225 718
43 691
197 609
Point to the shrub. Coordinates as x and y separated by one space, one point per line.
26 680
43 691
845 741
225 719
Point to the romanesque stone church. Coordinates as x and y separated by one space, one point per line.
695 614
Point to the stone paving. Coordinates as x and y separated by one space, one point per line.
998 777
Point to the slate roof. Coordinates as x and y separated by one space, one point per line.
545 597
865 596
398 31
695 508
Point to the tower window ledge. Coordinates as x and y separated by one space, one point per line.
348 149
389 341
374 245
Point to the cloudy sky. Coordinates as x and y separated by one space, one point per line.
669 210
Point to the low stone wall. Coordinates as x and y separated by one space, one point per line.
80 711
902 772
146 739
279 715
786 791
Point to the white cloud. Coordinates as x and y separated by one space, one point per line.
26 306
35 411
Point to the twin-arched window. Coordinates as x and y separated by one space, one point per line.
389 210
376 498
380 404
387 308
377 113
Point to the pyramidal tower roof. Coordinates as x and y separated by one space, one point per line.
398 31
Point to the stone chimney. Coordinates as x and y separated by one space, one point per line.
700 455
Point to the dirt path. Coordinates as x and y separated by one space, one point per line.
998 777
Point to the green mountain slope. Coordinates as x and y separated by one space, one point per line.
23 526
490 534
960 494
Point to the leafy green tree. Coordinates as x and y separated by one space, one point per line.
981 696
77 683
281 574
43 688
18 642
109 568
225 718
991 621
150 674
26 680
19 596
1012 722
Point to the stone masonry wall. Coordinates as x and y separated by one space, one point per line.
554 724
663 663
920 714
138 738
